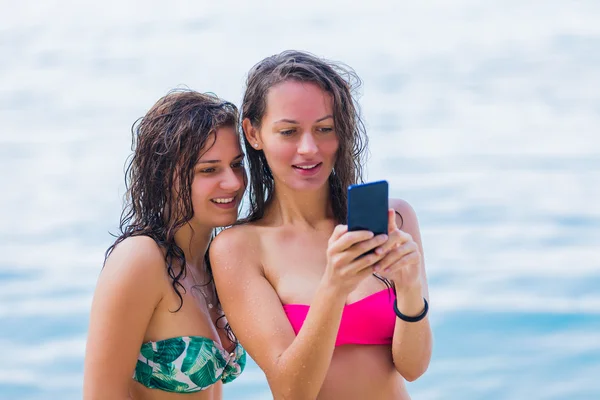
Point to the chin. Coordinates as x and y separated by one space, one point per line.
217 221
221 222
307 188
308 185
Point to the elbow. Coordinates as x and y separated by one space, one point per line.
413 365
413 375
413 372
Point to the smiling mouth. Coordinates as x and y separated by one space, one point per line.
307 167
223 200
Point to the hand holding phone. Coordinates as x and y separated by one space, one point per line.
351 257
351 249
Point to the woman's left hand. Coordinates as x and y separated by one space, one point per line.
402 263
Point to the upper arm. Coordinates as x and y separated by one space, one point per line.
407 221
251 304
128 290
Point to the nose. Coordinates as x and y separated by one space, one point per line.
307 145
231 181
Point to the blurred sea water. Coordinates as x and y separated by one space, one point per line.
485 116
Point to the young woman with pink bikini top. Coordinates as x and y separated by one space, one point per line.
320 321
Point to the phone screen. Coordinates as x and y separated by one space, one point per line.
368 207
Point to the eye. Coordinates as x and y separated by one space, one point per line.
239 164
325 129
287 132
207 170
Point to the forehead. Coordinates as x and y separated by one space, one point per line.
224 141
298 101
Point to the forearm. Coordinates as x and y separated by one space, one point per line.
302 367
412 342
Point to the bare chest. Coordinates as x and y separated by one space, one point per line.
194 316
294 264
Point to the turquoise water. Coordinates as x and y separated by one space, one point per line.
484 116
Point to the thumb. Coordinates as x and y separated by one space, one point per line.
392 220
338 232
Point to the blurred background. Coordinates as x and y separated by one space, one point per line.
484 115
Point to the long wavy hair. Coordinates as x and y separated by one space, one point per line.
342 83
166 145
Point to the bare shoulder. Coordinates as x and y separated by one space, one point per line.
401 205
136 259
130 286
234 242
406 216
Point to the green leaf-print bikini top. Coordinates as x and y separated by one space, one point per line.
187 364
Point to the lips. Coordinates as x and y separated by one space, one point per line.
308 170
307 166
225 202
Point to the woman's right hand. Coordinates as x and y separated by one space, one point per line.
345 266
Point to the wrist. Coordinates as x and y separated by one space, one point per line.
410 301
331 292
412 318
413 291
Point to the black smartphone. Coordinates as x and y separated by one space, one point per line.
368 207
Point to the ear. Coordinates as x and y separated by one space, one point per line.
252 134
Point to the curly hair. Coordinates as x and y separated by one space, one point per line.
166 145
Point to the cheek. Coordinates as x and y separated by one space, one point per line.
201 187
281 152
330 146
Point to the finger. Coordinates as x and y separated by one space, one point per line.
410 259
338 232
349 239
392 243
396 238
364 264
386 261
404 261
391 220
366 246
396 255
365 272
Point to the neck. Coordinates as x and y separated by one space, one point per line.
305 207
193 239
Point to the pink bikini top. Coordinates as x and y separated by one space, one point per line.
367 321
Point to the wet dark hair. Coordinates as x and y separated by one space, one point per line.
339 81
166 145
342 83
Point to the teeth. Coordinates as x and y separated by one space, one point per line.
223 201
307 166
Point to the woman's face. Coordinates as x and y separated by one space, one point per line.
219 180
298 136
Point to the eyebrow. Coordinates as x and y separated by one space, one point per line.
239 156
291 121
